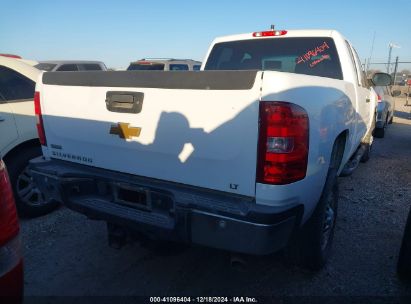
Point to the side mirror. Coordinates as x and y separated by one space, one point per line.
396 93
381 79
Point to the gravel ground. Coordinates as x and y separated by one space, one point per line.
67 254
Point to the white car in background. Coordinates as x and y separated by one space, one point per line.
18 135
28 61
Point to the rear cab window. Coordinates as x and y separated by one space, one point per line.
315 56
146 66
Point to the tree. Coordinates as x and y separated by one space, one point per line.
405 71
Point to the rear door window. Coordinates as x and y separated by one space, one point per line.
196 67
90 67
68 67
363 78
315 56
15 86
353 62
178 67
45 66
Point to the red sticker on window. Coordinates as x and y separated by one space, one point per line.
313 53
317 61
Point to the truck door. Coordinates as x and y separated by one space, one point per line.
364 98
8 130
16 106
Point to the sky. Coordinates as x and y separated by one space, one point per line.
121 31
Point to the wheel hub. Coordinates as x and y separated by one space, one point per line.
329 220
27 191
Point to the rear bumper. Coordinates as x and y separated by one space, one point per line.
170 211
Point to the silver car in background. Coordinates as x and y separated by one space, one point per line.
164 64
385 109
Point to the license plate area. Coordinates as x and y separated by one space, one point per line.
143 198
135 197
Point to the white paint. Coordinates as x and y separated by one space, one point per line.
17 121
186 152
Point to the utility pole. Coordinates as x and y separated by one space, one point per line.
391 46
372 49
395 69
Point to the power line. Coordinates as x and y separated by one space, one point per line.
372 49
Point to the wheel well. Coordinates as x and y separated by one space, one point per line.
24 145
338 150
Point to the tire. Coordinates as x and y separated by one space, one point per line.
366 156
368 143
30 202
404 259
379 132
391 119
311 246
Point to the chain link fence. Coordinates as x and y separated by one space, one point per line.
399 69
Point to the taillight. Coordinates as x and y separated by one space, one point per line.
11 56
11 267
39 119
269 33
378 98
9 225
282 143
145 62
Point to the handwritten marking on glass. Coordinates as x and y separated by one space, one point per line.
317 61
312 53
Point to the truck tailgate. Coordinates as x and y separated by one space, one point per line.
194 128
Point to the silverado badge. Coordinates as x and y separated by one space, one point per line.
124 130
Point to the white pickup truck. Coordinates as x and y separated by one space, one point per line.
243 155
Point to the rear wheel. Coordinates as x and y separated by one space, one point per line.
30 201
366 156
379 132
318 233
311 246
367 143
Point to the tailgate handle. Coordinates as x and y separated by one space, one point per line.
124 102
